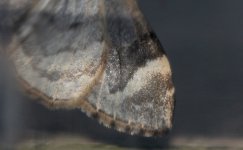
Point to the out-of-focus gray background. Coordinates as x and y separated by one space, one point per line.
204 42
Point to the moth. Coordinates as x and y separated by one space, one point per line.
99 56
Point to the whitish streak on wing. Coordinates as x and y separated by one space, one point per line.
139 79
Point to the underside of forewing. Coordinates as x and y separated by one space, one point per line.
97 55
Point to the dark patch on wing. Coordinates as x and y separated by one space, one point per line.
120 25
75 25
121 30
132 42
130 59
51 76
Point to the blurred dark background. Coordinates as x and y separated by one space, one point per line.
204 43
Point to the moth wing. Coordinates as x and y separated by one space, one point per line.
58 50
136 92
100 56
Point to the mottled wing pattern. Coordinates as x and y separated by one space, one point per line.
97 55
136 90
